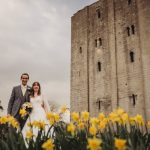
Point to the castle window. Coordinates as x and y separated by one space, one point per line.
96 43
98 103
133 29
131 56
133 97
129 2
98 13
128 31
99 66
100 42
80 49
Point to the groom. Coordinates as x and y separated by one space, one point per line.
20 94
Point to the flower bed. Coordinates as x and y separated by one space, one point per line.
116 131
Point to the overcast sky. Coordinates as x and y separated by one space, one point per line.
35 37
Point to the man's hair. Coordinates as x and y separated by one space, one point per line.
25 74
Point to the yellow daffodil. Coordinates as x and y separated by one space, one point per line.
101 116
3 120
120 111
48 145
94 144
81 125
148 124
15 124
120 144
39 124
139 119
53 117
75 116
93 130
94 121
23 112
56 117
102 125
132 121
29 134
85 116
125 118
63 109
29 124
71 128
50 115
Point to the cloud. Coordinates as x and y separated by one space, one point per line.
35 37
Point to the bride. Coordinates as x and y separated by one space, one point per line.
39 109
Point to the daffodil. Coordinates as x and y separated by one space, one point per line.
23 112
94 144
102 125
48 145
124 118
132 121
53 117
120 111
120 144
56 117
29 134
139 119
3 120
81 125
93 130
148 124
75 116
71 128
94 121
63 109
101 116
85 116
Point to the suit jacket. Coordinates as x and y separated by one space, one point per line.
17 99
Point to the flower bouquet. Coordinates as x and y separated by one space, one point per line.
26 109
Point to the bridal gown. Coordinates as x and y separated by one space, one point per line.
38 114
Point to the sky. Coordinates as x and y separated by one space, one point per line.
35 37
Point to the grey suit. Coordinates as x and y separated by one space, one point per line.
16 101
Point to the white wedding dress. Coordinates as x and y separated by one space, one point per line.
38 114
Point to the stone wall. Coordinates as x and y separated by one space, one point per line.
110 57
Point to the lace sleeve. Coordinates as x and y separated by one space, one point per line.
46 104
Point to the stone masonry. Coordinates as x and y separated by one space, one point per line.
110 57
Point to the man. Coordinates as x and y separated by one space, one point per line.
20 95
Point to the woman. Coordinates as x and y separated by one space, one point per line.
39 109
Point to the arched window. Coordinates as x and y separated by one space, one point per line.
98 13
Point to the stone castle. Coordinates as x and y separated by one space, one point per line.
110 57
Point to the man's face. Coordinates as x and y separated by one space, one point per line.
24 79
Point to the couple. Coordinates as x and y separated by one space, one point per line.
24 93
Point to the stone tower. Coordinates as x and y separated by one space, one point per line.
110 57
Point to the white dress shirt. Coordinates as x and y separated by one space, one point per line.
23 88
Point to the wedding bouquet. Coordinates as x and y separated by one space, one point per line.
26 109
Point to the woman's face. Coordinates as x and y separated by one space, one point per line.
36 87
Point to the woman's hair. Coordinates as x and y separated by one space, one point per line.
32 91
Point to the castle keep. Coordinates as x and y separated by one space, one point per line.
110 57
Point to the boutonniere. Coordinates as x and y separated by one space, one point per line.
29 89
